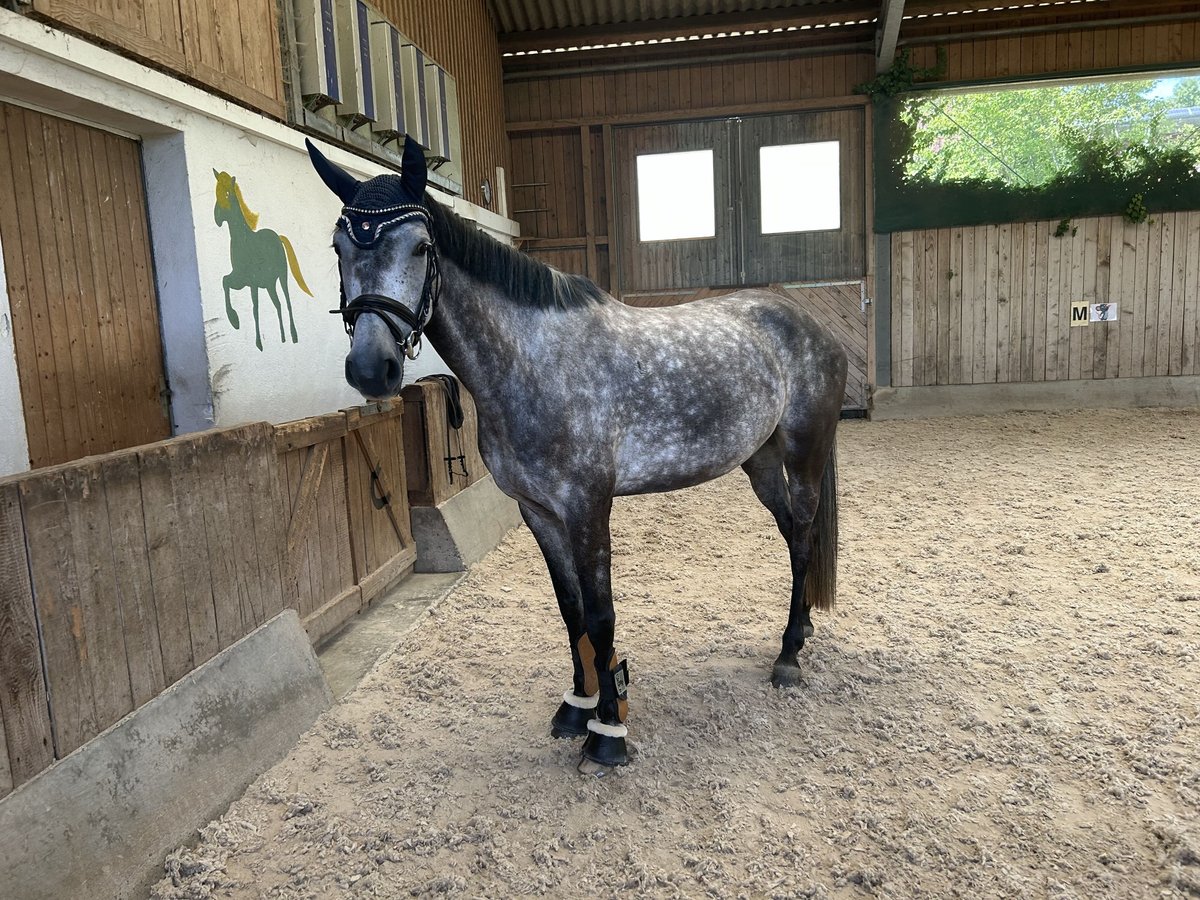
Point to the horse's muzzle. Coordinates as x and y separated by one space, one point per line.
376 377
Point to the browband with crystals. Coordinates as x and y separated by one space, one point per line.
364 226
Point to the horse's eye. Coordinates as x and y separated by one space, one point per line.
422 248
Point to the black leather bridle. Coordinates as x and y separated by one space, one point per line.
379 304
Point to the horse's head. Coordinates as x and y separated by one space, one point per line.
388 267
227 192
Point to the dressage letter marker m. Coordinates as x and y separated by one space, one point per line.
1079 312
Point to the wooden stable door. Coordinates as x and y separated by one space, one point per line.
80 287
825 241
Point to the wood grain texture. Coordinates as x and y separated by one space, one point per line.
434 472
702 88
24 711
1010 300
84 308
150 29
232 48
46 510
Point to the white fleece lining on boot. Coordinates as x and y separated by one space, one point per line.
570 699
610 730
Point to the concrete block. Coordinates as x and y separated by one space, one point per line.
1172 391
100 822
464 529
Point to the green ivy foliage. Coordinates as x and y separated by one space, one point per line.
1017 155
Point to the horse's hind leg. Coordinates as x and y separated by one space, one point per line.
288 299
804 457
766 471
271 292
579 704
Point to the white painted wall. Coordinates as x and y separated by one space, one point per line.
217 375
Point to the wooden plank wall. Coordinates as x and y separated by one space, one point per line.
1065 52
342 546
992 303
231 47
80 283
121 573
431 447
700 89
731 87
459 35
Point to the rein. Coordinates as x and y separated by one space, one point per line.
379 304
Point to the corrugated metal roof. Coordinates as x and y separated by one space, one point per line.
515 16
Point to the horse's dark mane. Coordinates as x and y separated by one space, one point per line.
523 278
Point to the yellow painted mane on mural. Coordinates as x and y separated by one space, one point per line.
225 182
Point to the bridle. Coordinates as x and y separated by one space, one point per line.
369 228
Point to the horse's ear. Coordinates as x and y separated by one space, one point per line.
412 169
216 175
335 177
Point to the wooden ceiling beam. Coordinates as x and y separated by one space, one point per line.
887 33
660 29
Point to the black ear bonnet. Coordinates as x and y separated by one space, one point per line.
371 207
378 204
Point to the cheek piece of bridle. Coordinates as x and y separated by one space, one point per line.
364 226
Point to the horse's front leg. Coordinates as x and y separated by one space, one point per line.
229 310
579 703
591 548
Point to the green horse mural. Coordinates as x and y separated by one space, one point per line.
259 259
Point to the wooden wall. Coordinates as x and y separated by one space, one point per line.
1065 52
121 573
700 89
432 449
231 47
81 286
992 304
459 35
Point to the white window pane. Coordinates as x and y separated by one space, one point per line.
801 187
675 196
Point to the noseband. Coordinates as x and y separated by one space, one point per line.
368 229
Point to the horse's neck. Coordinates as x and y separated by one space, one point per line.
479 333
237 222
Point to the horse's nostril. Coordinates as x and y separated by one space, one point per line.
393 372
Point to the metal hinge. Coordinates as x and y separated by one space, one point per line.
164 396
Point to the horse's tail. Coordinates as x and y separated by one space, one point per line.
820 587
294 264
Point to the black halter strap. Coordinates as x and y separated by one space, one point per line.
372 223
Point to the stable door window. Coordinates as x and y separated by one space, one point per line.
676 197
800 187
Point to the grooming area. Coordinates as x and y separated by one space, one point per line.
260 636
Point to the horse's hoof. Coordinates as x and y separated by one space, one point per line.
233 318
595 769
605 751
785 675
570 721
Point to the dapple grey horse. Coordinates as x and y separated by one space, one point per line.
582 398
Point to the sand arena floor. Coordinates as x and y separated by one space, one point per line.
1005 703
